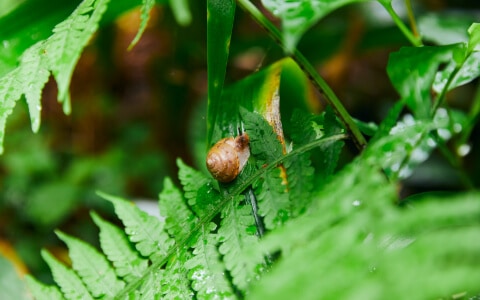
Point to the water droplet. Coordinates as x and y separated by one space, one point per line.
431 142
442 113
463 150
457 127
356 203
408 119
419 155
444 133
6 44
395 167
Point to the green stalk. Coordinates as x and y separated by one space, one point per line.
310 71
411 18
403 28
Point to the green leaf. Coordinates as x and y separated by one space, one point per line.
198 189
298 16
114 242
330 152
64 47
147 6
58 54
41 291
181 11
273 199
70 284
220 16
236 233
144 230
412 71
474 41
175 284
179 219
264 143
300 181
206 270
11 285
446 27
92 267
151 287
409 143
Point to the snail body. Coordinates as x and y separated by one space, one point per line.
227 157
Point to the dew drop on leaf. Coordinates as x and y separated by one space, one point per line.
463 150
356 203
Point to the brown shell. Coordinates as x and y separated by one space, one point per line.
227 157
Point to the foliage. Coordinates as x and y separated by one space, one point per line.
293 224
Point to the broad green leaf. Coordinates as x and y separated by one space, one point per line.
41 291
116 246
206 270
412 71
144 230
446 27
220 15
409 143
181 11
277 88
474 33
298 16
12 286
94 269
71 285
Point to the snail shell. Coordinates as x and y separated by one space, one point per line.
227 157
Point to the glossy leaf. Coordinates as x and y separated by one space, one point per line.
412 71
298 16
220 15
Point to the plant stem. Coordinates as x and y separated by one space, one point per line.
310 71
411 18
408 34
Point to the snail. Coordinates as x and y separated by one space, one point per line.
227 157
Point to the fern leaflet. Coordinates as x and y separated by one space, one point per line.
71 285
145 231
41 291
114 243
198 189
179 220
147 6
175 283
237 231
206 270
93 268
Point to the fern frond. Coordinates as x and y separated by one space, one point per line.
114 243
206 270
34 73
41 291
273 200
66 44
58 55
10 91
151 287
70 284
198 189
147 6
237 231
179 220
94 269
175 283
264 143
300 181
144 230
